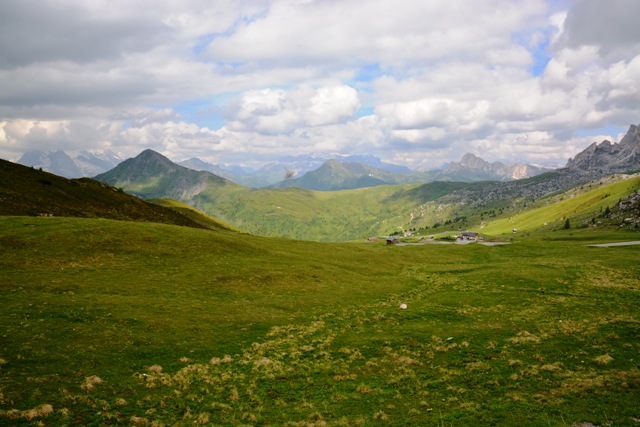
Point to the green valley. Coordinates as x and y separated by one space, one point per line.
356 214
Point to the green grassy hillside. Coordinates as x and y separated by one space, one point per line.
324 216
194 214
580 205
32 192
116 323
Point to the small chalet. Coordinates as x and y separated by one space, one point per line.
392 240
469 236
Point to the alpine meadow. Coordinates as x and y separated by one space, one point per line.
320 213
122 311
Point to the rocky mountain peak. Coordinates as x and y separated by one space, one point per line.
472 161
57 162
607 157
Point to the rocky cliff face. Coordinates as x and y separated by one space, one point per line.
608 157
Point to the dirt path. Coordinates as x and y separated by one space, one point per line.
608 245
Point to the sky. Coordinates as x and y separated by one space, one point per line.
417 83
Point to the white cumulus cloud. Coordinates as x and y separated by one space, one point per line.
414 82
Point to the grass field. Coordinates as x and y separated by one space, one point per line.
117 323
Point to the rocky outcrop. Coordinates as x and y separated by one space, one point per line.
607 157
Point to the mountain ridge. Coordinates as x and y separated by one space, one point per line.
496 170
330 176
26 191
594 162
347 214
58 162
293 212
470 168
152 175
273 174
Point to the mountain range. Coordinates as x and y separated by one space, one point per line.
335 175
289 167
325 173
594 162
338 215
317 215
474 168
85 163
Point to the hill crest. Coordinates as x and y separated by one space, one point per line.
26 191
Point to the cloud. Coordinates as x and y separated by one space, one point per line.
278 111
251 81
339 32
43 31
611 26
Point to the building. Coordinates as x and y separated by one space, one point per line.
469 236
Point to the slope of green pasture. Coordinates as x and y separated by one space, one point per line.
112 323
194 214
32 192
326 216
579 204
305 214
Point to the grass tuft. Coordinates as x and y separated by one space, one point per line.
604 359
90 382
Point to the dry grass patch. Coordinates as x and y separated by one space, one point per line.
38 412
90 382
571 327
364 389
607 277
380 415
477 366
605 359
551 367
524 337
